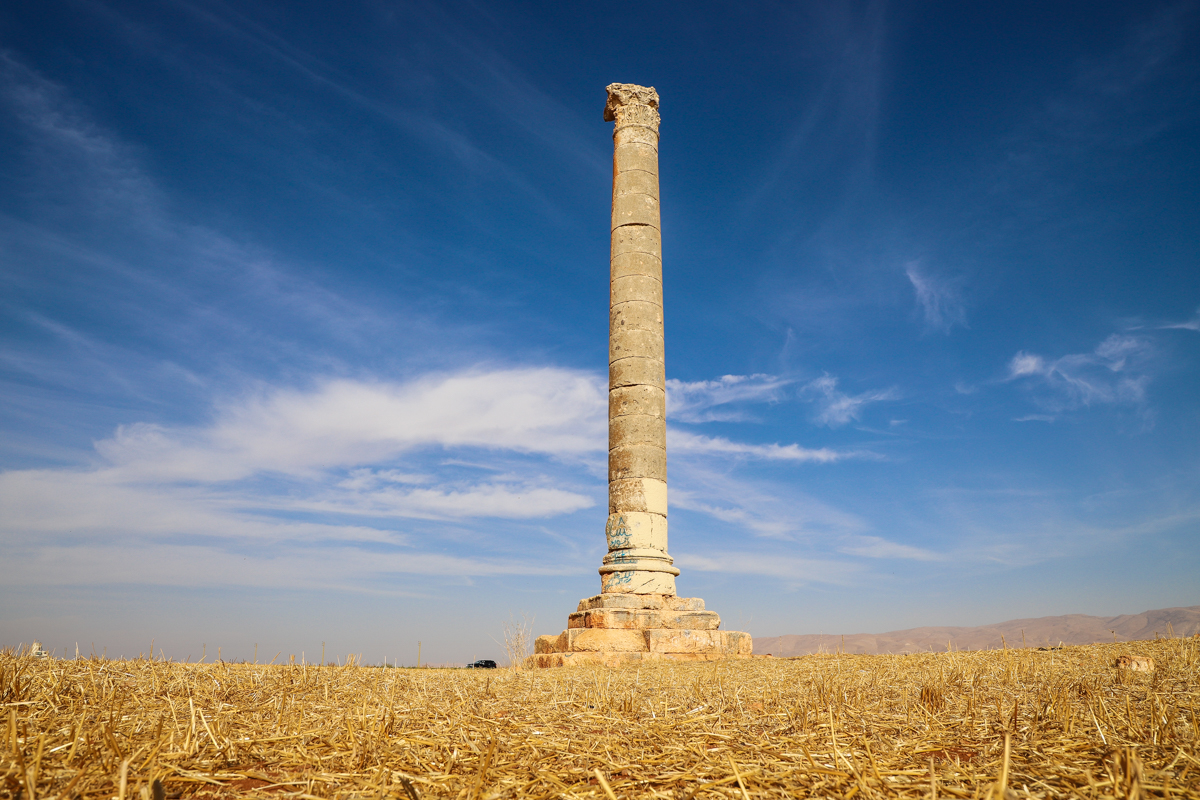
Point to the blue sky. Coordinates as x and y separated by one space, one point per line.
304 316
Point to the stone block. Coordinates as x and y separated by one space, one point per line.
637 582
634 619
635 181
546 644
621 601
638 429
635 209
635 343
634 533
645 619
638 239
638 399
635 134
635 263
618 659
697 656
691 620
584 640
637 494
635 156
651 601
544 660
637 461
636 314
635 371
699 641
683 603
646 559
1135 663
644 288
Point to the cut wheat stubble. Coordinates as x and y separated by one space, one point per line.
848 725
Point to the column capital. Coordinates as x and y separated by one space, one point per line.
630 104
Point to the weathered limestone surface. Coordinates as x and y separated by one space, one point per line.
653 601
637 616
637 560
653 640
612 659
643 619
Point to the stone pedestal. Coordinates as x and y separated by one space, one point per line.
614 629
637 616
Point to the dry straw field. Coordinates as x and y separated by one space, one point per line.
1015 723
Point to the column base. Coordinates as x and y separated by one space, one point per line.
614 629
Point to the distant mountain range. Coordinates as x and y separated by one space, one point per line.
1040 632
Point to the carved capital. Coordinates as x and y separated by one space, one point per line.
630 104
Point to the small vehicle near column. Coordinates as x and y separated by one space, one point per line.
483 663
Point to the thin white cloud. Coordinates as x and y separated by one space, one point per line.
66 140
82 505
708 401
1192 324
347 464
1116 372
444 503
837 408
341 466
684 442
346 423
344 568
876 547
940 300
790 569
1026 364
775 512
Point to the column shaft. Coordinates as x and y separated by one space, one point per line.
637 560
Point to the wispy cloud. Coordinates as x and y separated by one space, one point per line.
99 230
835 407
758 507
200 564
876 547
1116 372
344 423
940 300
710 401
792 570
348 464
1192 324
340 465
683 442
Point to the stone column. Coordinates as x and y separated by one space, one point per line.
637 560
637 616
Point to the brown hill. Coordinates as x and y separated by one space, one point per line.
1040 632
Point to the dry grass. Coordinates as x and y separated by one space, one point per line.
518 641
929 725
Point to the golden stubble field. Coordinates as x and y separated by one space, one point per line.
927 725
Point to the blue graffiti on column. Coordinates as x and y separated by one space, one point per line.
617 533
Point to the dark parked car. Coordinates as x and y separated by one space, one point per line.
483 663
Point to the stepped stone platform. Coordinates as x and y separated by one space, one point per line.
614 629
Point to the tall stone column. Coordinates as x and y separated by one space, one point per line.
637 616
637 560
